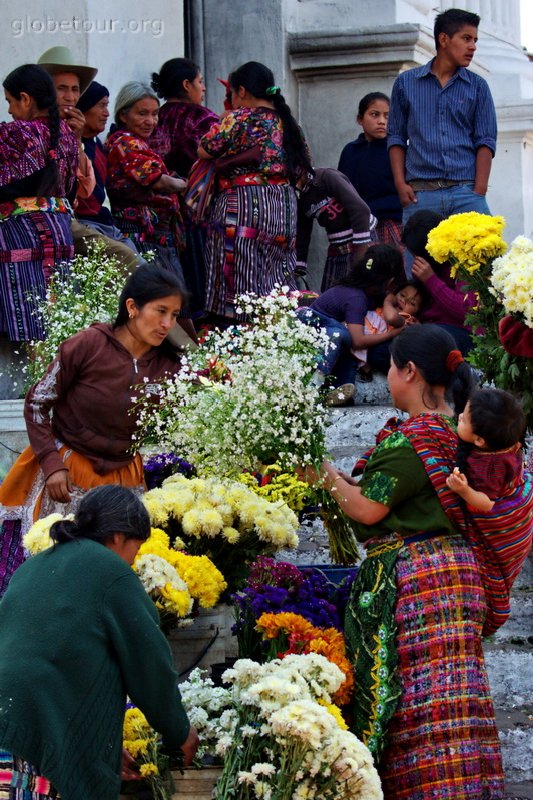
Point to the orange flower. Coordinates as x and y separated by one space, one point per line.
271 625
305 638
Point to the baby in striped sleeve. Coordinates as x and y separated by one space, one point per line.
491 430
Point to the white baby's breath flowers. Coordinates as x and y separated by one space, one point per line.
84 291
261 406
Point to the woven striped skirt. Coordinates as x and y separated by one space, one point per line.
251 244
32 246
443 741
22 781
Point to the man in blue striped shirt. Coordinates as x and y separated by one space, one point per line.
442 126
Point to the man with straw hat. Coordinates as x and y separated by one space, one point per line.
71 80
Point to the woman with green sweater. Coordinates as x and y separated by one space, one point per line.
78 634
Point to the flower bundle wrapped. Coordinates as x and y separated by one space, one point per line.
175 580
142 743
291 633
245 399
222 519
288 742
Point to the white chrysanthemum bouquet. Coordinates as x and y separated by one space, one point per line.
221 519
246 398
289 740
512 279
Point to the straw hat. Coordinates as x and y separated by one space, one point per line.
59 59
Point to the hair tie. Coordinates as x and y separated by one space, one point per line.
453 359
273 90
52 154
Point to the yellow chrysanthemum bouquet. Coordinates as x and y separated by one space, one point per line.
470 242
503 283
176 582
223 520
142 743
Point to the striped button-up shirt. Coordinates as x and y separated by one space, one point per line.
441 128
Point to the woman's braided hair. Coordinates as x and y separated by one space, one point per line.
258 80
35 81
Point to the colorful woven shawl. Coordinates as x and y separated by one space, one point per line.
500 540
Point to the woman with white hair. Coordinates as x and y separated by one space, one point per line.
143 195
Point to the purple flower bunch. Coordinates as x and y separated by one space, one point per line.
161 466
276 586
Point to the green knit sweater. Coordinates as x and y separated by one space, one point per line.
77 633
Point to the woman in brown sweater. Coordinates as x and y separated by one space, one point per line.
91 387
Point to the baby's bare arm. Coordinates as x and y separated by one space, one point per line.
458 483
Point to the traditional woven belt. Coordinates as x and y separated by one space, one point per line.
252 179
29 205
432 186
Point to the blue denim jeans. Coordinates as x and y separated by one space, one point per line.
453 200
338 360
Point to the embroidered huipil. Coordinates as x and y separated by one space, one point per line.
132 169
245 128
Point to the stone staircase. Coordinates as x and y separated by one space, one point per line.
508 654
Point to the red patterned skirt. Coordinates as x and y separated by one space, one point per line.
443 741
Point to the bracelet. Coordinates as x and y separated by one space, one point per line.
333 488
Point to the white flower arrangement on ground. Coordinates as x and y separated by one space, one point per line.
289 741
512 279
221 519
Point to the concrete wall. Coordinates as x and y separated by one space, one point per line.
125 40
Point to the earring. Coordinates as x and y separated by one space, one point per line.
131 316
